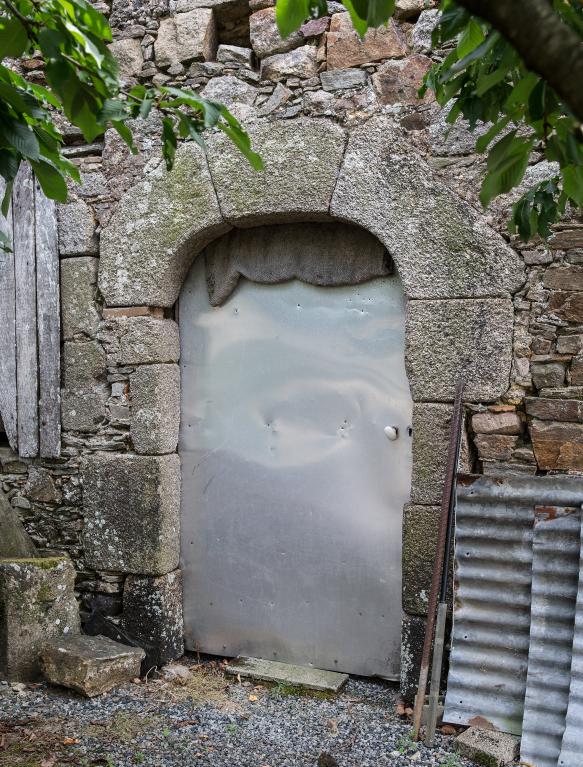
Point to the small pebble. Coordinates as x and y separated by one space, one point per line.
155 723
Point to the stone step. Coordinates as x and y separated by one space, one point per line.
90 665
286 673
37 603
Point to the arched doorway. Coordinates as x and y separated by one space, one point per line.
457 274
295 444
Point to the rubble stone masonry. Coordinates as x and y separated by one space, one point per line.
525 403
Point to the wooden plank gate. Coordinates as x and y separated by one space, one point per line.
30 322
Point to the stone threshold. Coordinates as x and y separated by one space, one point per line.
286 673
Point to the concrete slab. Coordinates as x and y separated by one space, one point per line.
285 673
487 747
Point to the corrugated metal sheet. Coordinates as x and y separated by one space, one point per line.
494 532
572 746
555 576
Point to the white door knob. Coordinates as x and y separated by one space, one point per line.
392 432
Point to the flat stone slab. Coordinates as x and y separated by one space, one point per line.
90 665
488 747
298 676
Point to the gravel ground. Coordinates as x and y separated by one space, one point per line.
196 716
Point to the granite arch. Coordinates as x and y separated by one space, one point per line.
457 273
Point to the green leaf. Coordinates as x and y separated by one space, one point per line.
113 109
138 92
9 164
536 101
189 128
374 12
7 197
211 110
573 183
169 142
522 90
451 22
537 209
92 20
507 163
126 134
5 242
81 102
290 15
501 149
83 111
242 141
471 38
43 95
20 136
498 127
505 177
145 107
360 25
13 38
51 180
521 219
485 81
20 100
572 13
52 42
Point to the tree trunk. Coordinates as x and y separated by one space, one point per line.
548 46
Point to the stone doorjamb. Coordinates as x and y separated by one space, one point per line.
457 274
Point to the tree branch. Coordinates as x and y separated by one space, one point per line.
548 46
30 25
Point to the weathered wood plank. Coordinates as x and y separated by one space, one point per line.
7 333
48 324
26 332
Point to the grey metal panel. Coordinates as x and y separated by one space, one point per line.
572 747
494 531
292 492
555 576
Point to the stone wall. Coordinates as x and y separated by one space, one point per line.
117 361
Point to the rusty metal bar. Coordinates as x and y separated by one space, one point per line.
439 639
445 528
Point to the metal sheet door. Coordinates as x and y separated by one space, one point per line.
292 488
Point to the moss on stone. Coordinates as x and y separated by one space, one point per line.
485 760
420 532
283 689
